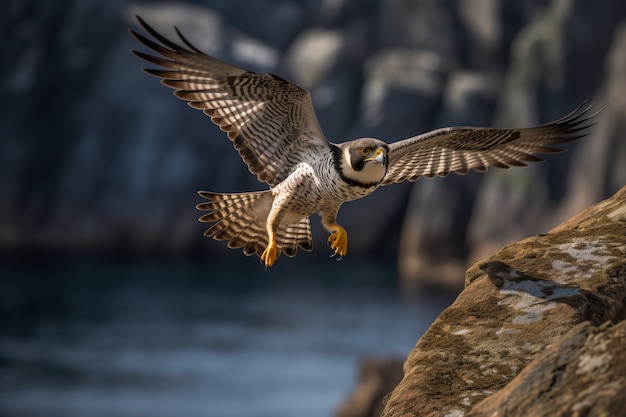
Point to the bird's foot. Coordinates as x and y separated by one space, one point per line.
338 240
269 255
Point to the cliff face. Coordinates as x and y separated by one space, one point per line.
538 329
95 154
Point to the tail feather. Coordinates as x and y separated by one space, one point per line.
296 236
239 240
240 220
303 238
256 244
290 244
253 239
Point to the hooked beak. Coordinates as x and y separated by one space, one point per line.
379 156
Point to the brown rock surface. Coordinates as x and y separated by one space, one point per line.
514 306
583 374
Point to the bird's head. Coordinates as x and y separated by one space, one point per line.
365 161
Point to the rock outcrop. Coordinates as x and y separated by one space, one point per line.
538 330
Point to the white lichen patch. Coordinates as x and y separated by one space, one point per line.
461 332
544 290
592 251
505 331
565 268
533 316
588 364
488 370
510 274
455 413
587 257
532 298
471 397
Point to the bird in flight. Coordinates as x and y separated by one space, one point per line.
272 124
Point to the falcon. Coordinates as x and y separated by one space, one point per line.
272 124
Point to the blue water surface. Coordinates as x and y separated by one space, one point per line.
102 336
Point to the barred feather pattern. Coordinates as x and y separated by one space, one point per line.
270 120
461 149
240 219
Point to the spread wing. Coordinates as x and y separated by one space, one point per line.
460 149
270 121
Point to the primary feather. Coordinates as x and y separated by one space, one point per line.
460 149
270 121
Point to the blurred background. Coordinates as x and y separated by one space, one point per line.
112 303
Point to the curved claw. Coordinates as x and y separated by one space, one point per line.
339 257
269 255
338 240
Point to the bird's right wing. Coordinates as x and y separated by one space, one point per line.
270 121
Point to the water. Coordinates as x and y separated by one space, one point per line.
119 338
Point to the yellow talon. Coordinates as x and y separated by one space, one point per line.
269 255
338 240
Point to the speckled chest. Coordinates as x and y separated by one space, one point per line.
317 186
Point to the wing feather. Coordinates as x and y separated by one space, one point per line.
461 149
270 121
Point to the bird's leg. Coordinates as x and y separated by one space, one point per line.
338 239
270 254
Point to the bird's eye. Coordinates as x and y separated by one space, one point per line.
365 151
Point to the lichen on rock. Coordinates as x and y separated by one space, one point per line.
531 310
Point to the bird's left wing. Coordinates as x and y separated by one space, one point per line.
270 121
460 149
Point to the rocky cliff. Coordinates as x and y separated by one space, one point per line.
96 155
538 330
